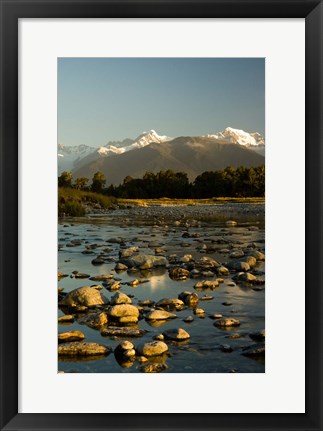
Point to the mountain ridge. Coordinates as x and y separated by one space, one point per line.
73 158
192 155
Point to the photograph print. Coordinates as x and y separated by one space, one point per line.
161 215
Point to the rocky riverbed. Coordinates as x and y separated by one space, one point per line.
163 289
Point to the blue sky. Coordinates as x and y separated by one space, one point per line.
106 99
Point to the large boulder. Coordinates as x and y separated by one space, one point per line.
123 310
120 298
87 296
206 262
70 336
154 348
114 331
78 348
144 261
178 273
127 252
95 320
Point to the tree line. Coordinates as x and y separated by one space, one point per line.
229 182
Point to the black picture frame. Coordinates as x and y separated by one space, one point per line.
11 11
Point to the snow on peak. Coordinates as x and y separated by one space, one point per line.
69 155
237 136
144 139
104 151
148 137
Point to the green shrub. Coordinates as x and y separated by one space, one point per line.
71 208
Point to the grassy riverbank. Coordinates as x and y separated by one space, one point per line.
168 201
77 203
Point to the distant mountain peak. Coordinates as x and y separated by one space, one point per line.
144 139
238 136
152 136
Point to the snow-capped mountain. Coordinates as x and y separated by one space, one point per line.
236 136
254 141
73 158
69 155
141 141
192 155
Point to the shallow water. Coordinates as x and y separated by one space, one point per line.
202 352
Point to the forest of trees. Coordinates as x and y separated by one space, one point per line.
230 182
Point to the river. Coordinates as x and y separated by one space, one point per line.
182 231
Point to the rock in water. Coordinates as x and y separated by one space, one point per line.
170 303
257 254
82 296
226 322
144 261
127 252
255 350
226 348
154 348
199 311
80 275
125 349
258 336
246 277
70 336
153 368
239 266
178 273
123 310
236 254
97 261
101 277
67 318
251 261
78 348
189 298
222 270
206 284
178 334
95 320
114 331
231 223
126 345
160 315
120 298
120 267
133 283
206 262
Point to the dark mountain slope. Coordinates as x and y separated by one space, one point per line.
192 155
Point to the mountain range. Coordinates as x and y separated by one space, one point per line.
152 152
